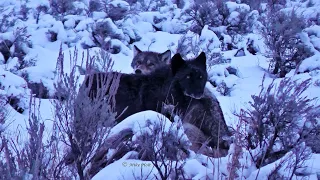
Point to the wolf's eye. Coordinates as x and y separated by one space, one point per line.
138 62
151 64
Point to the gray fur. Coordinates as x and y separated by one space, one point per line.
145 62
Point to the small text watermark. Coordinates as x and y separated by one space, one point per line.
136 164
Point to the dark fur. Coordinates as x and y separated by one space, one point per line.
177 84
204 113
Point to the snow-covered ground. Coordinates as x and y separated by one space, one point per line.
74 31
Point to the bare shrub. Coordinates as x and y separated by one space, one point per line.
28 155
223 89
107 28
39 10
24 12
313 141
148 5
103 29
35 148
314 20
205 13
38 89
5 50
279 121
291 164
215 13
52 36
234 165
82 119
21 40
164 148
16 48
64 7
61 6
282 39
96 5
7 20
254 4
189 45
3 113
317 83
117 10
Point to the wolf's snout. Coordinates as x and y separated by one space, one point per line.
138 71
198 95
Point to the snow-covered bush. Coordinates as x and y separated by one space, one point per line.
14 50
281 35
96 5
163 148
223 89
279 121
20 47
191 44
205 13
223 17
117 10
7 19
63 7
150 138
13 38
40 10
254 4
317 83
149 5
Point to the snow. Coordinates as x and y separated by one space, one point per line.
233 6
138 123
310 63
13 84
233 18
70 23
127 169
74 30
83 24
98 15
121 4
207 36
158 41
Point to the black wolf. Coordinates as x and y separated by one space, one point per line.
201 112
145 62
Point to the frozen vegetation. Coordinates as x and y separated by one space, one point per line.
263 62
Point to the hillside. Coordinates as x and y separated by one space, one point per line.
263 64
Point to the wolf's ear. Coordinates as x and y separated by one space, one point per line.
201 59
136 50
165 57
176 63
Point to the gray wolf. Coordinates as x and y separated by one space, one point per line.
177 84
145 62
